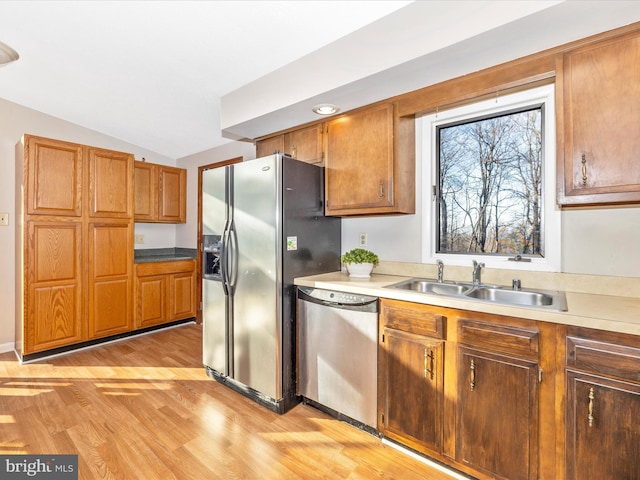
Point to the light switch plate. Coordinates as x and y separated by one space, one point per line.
4 219
138 239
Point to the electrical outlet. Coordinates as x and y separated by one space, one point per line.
363 239
4 219
138 239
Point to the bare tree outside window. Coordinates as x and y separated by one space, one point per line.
489 193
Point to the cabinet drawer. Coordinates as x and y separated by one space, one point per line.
499 338
160 268
413 318
605 358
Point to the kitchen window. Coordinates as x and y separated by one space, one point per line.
488 183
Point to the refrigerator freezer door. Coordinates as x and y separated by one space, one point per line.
257 316
214 315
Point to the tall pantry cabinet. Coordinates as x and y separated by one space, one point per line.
74 244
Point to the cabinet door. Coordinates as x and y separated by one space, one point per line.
172 195
359 161
497 414
54 177
54 286
412 389
603 432
151 300
145 192
601 102
182 295
110 275
305 144
269 146
110 184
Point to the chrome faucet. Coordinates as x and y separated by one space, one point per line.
440 271
477 270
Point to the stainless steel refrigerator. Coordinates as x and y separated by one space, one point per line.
263 225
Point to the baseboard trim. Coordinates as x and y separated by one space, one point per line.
433 464
7 347
33 357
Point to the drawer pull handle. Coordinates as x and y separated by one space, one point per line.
381 190
584 170
591 398
472 368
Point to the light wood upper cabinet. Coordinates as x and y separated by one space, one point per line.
304 144
600 90
370 163
160 193
53 180
110 183
172 195
269 146
146 192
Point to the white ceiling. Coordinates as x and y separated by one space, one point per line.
154 73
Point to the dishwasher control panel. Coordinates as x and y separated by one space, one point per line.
329 297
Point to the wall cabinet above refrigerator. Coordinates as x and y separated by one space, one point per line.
304 144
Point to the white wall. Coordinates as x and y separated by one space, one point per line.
15 121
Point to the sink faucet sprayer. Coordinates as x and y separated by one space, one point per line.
477 270
440 271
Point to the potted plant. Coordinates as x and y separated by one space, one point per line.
359 262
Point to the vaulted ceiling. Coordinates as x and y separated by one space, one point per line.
157 73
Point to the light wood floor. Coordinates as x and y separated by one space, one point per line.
143 408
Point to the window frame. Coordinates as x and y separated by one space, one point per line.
551 214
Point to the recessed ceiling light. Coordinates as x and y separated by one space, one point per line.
326 109
7 54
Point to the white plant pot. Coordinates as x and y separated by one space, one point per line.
359 270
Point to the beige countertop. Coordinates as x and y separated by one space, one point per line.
605 312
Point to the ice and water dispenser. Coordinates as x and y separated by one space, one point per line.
211 257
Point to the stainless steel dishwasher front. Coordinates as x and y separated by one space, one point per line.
338 352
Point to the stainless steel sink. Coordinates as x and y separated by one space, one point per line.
554 300
514 297
432 286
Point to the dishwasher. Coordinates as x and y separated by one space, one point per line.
338 354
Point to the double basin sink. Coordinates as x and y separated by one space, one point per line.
554 300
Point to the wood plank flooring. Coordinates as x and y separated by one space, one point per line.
143 408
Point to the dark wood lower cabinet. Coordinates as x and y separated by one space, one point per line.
497 414
506 398
413 388
603 429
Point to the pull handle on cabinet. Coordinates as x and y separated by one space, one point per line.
590 417
472 375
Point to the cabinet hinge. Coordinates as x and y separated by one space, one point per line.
539 375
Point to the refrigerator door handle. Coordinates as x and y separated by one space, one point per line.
224 259
232 260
